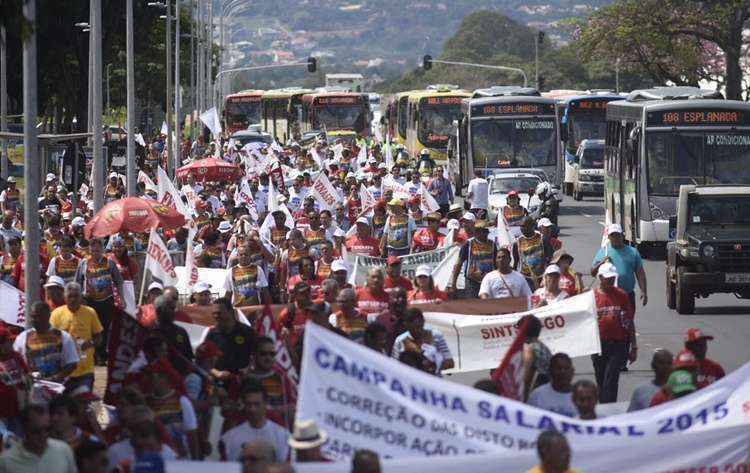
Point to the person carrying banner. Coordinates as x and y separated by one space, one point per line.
246 283
557 395
585 394
420 337
393 277
425 291
550 291
661 363
616 331
397 230
427 238
504 281
478 254
528 253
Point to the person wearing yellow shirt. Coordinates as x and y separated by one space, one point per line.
554 453
82 323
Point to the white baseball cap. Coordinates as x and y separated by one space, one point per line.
614 228
552 269
453 224
363 220
155 285
78 222
423 270
607 270
544 222
225 226
55 281
469 216
201 286
338 265
111 175
51 177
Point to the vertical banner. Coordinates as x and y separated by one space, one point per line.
324 192
158 260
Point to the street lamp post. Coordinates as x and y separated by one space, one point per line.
98 164
130 66
427 64
32 168
168 73
3 103
192 70
177 108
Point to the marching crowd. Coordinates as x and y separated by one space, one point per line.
282 244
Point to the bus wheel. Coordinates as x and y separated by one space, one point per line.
685 300
671 291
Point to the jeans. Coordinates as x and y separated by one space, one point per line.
607 369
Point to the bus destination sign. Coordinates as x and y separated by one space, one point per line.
246 98
697 117
589 105
518 108
443 100
348 100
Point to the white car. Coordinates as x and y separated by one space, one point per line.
523 183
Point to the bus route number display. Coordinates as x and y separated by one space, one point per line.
592 105
337 100
698 118
443 100
513 109
251 98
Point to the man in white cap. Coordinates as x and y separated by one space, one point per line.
201 294
54 292
550 292
478 194
155 289
549 240
114 189
626 260
306 441
340 273
616 331
362 242
10 197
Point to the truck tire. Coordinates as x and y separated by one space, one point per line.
685 300
671 291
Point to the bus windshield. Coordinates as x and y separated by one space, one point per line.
586 126
593 158
708 157
338 117
436 123
503 185
514 143
239 113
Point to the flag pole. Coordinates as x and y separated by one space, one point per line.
145 270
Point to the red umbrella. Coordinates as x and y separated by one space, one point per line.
210 169
132 214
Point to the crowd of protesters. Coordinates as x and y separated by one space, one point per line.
283 246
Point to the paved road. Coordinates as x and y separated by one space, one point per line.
721 315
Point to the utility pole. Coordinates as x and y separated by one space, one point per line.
537 42
177 96
130 66
3 102
32 167
200 57
209 69
168 49
192 70
617 75
90 116
98 165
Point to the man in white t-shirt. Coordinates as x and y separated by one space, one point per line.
557 395
144 438
503 282
256 427
478 194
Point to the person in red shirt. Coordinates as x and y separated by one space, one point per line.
19 270
427 238
15 382
362 242
393 278
616 330
372 300
570 281
426 292
353 204
125 263
708 370
307 275
467 228
294 317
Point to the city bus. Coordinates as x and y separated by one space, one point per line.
396 117
659 139
504 130
241 110
343 115
280 112
429 120
582 117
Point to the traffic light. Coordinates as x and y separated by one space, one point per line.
312 64
427 62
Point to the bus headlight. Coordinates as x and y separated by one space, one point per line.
708 251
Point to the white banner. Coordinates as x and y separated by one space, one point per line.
169 195
324 192
214 277
363 399
147 182
13 308
440 261
158 260
211 119
399 190
480 342
244 195
428 204
192 273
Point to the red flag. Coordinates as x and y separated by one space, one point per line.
126 335
267 326
509 375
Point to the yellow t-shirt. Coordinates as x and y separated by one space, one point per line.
82 326
538 469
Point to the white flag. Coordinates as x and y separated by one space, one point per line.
367 200
245 195
139 139
337 150
13 308
605 234
427 201
164 128
362 156
190 262
147 182
388 155
273 206
210 118
169 195
158 260
324 192
316 157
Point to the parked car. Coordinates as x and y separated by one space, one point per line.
502 183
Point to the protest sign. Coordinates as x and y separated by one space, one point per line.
480 342
441 261
366 400
13 310
324 192
158 260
